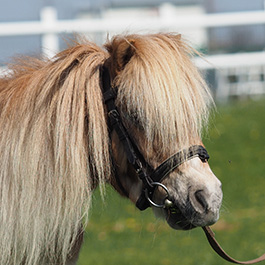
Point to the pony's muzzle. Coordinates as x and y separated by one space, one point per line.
200 207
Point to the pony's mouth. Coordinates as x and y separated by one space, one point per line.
187 216
177 220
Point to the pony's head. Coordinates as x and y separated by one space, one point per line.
163 103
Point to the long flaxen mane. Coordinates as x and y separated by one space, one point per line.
54 143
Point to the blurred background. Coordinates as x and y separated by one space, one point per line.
231 35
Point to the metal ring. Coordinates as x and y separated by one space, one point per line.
152 202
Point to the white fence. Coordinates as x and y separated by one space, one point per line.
49 27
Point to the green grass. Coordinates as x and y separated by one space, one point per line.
119 234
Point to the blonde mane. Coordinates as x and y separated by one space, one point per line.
54 151
54 144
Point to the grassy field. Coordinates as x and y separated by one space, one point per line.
118 234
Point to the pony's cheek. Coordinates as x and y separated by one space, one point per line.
124 180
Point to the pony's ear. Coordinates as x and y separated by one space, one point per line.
125 53
174 37
178 37
121 51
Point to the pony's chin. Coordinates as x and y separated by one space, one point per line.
177 220
182 220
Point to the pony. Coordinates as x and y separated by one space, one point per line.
56 145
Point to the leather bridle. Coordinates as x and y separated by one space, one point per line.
152 178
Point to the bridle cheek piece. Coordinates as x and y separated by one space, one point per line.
150 177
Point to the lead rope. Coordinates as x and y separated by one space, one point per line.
218 249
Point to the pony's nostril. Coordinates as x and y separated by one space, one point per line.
200 197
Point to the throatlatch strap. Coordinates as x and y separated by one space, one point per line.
115 123
218 249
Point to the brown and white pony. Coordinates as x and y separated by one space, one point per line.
56 148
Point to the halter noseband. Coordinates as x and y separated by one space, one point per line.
151 178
